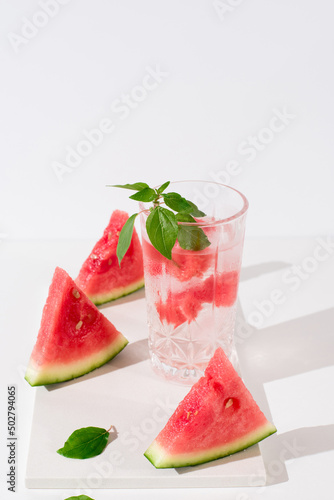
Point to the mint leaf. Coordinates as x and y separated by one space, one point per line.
163 187
137 186
184 217
125 237
80 497
162 229
176 202
146 194
85 443
191 237
194 210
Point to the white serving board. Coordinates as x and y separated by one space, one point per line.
127 394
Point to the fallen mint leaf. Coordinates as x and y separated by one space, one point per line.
86 442
80 497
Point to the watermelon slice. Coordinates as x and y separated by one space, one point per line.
74 336
101 277
217 417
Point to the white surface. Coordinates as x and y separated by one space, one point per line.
287 364
225 78
127 394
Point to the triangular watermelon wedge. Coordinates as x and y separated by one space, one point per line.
101 277
74 337
217 417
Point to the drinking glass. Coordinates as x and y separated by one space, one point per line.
191 299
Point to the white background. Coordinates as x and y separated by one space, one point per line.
228 72
226 75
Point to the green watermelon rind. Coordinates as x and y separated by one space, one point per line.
59 372
160 458
117 293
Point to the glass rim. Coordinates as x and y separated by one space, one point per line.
215 222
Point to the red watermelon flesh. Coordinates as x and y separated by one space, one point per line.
217 417
101 277
74 336
222 289
170 311
185 264
185 305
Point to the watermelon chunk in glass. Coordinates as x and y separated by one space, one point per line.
217 417
101 277
185 305
184 264
74 337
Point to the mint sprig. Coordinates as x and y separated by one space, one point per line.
162 223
